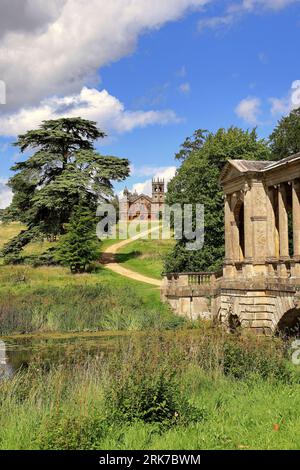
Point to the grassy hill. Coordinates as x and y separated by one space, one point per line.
52 299
145 256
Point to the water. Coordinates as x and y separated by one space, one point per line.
19 352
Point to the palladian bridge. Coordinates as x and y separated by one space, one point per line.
259 285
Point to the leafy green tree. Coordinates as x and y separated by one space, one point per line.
196 181
191 144
285 139
79 246
63 169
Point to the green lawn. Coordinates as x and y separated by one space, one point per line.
145 256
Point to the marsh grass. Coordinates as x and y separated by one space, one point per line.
51 299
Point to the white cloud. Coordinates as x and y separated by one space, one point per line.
78 37
185 88
287 103
216 22
279 106
248 109
154 171
167 173
99 106
5 194
235 11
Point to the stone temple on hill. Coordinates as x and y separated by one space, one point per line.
134 206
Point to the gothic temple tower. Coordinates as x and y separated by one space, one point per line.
158 198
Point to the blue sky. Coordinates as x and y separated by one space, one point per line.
204 65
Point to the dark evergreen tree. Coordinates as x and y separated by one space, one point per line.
64 169
79 246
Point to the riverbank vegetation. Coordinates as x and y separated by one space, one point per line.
186 390
53 299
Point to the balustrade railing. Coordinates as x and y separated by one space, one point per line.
192 278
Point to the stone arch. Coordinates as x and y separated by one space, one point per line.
234 322
289 323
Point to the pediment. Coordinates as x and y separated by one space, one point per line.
229 173
141 198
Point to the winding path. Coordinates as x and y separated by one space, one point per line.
109 259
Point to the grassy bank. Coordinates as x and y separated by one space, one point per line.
52 299
179 392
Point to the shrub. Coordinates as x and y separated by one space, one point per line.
243 359
66 432
147 389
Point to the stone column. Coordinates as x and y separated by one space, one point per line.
228 241
259 223
248 228
295 266
283 224
296 219
235 240
271 226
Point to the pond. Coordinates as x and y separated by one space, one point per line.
17 352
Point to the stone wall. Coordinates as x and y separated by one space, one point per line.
259 307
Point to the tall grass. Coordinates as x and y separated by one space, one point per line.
79 308
161 391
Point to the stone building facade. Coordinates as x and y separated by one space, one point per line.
141 207
260 282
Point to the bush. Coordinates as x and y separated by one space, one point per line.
66 432
148 390
243 359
